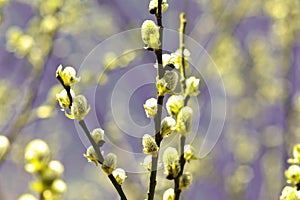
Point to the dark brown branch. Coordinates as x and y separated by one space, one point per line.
101 159
157 120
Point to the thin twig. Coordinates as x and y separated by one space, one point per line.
88 134
101 159
157 120
182 138
182 47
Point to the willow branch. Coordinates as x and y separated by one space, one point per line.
157 120
101 159
182 138
25 113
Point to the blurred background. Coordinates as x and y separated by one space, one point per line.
255 46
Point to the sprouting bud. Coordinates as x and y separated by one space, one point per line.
24 45
171 78
147 163
184 120
56 167
49 24
171 163
189 153
165 60
27 197
67 75
37 156
167 84
109 163
169 194
289 193
120 175
149 144
4 145
153 6
176 58
150 34
174 104
192 84
64 100
293 174
296 155
53 171
150 107
12 36
91 155
168 124
59 186
185 181
161 86
79 108
98 135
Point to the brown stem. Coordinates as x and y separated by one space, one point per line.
101 159
157 120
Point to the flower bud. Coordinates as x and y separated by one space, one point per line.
67 75
153 6
53 171
296 155
150 34
168 124
174 104
49 24
79 108
149 144
189 153
109 163
192 85
169 194
59 186
167 84
161 86
171 78
293 174
37 156
184 120
150 107
12 36
176 58
91 155
24 45
4 145
98 135
147 163
56 167
171 163
289 193
120 175
185 181
27 197
63 99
